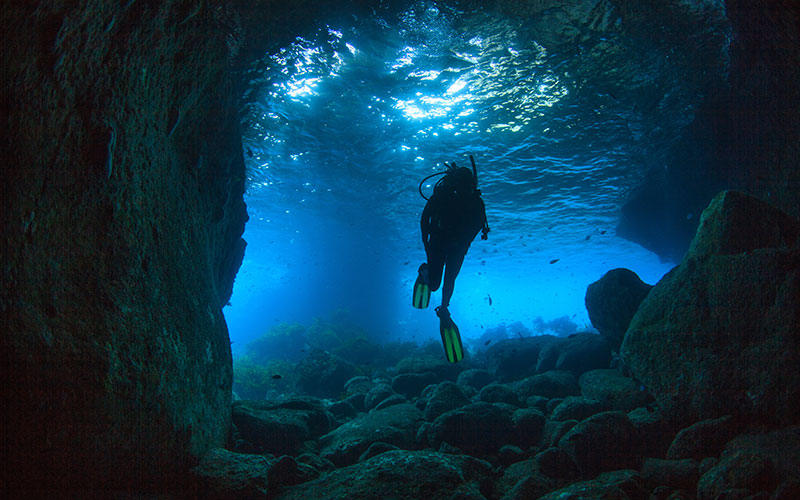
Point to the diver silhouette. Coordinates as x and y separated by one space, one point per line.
452 217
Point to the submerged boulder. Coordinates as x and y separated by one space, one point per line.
478 429
583 352
515 358
720 333
603 442
612 301
614 390
444 397
395 425
400 474
226 475
280 427
577 353
551 384
323 374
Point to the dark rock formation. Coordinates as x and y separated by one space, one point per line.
225 475
602 488
528 426
400 474
515 359
655 433
436 365
445 397
498 393
122 216
279 428
583 352
703 439
477 429
678 474
396 425
576 408
737 471
554 462
475 378
780 447
744 136
411 384
376 395
613 390
720 334
551 384
324 374
603 442
612 301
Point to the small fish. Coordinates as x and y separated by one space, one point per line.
276 376
488 342
490 298
587 237
572 335
603 231
554 261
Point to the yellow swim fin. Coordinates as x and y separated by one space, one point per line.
422 293
451 337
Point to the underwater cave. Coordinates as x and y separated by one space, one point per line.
211 214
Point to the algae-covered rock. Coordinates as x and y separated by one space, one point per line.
720 333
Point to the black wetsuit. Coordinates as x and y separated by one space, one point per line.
450 221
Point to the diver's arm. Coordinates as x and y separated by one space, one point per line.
425 223
485 230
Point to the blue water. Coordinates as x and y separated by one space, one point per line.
564 111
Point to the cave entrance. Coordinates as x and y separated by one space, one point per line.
567 108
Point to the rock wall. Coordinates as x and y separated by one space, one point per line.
745 135
122 216
720 333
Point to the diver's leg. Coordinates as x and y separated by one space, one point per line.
436 258
454 260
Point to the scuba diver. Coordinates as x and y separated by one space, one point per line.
453 216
